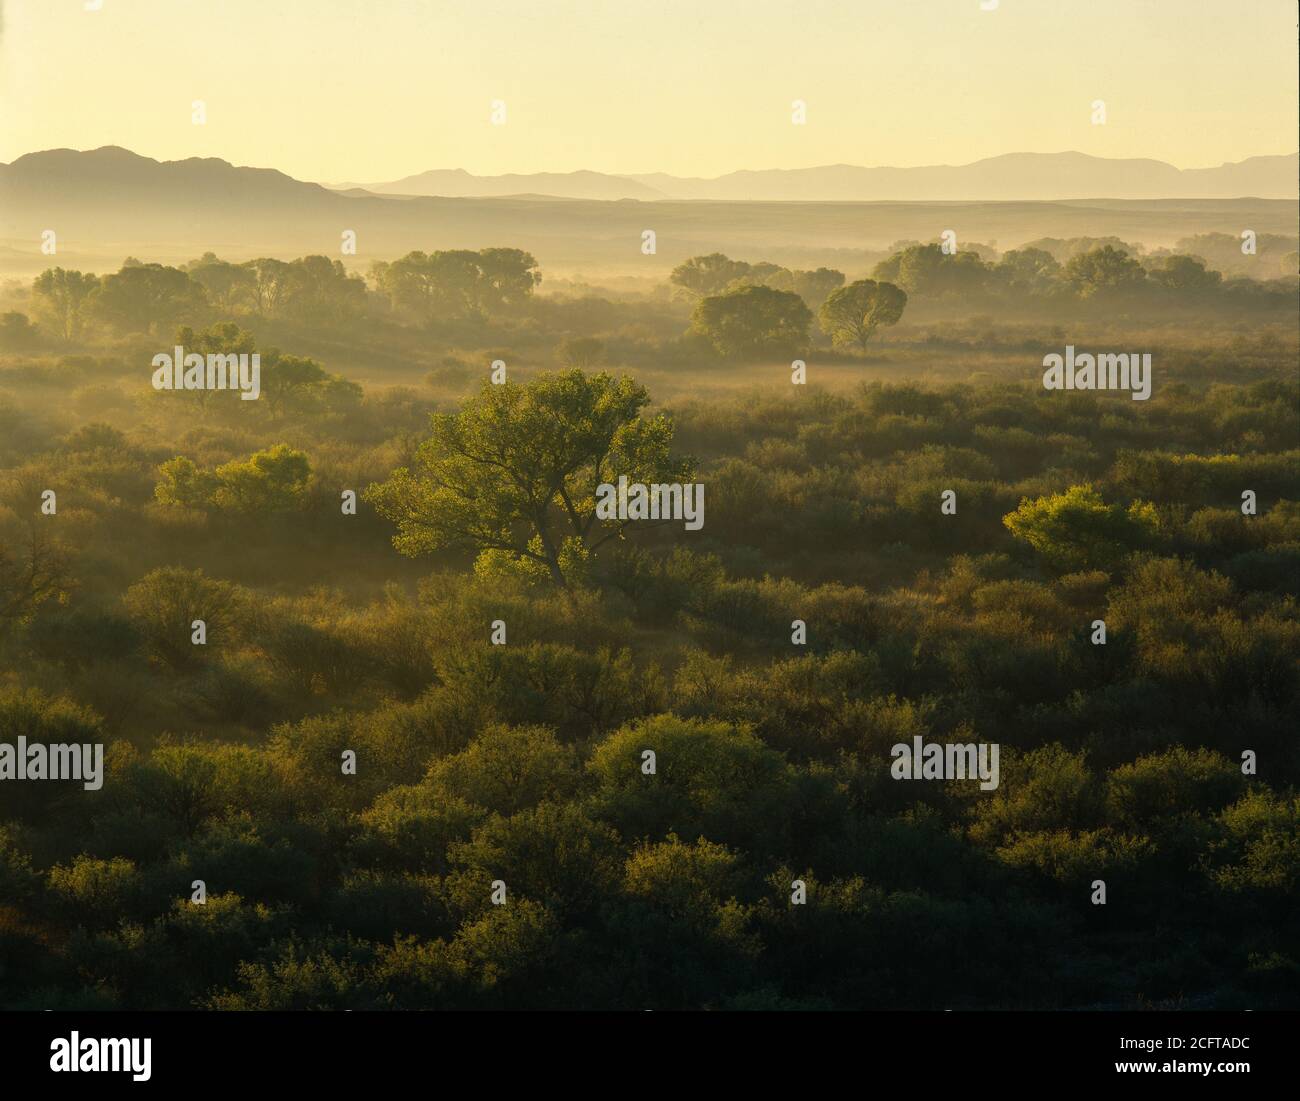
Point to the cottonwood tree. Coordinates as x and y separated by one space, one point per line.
514 474
852 314
148 298
457 283
705 276
287 379
319 289
1028 270
814 287
1102 269
1184 273
224 338
229 286
507 277
927 270
753 320
269 288
701 276
60 296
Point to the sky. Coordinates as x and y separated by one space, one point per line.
374 90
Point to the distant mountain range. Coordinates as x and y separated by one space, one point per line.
112 172
1013 176
105 204
457 183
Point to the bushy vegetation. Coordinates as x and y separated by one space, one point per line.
330 633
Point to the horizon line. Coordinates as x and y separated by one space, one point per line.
631 176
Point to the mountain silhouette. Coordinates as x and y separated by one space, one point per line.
1012 176
105 204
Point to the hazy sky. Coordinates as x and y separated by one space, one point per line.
373 90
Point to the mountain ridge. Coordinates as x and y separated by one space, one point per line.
109 203
1010 176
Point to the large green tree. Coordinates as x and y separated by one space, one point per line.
322 290
230 286
929 271
148 298
853 313
60 297
1028 270
514 475
701 276
1102 269
224 338
815 286
270 285
457 283
1184 273
750 320
811 286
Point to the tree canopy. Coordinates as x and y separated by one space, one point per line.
513 476
752 320
1077 530
852 314
457 283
